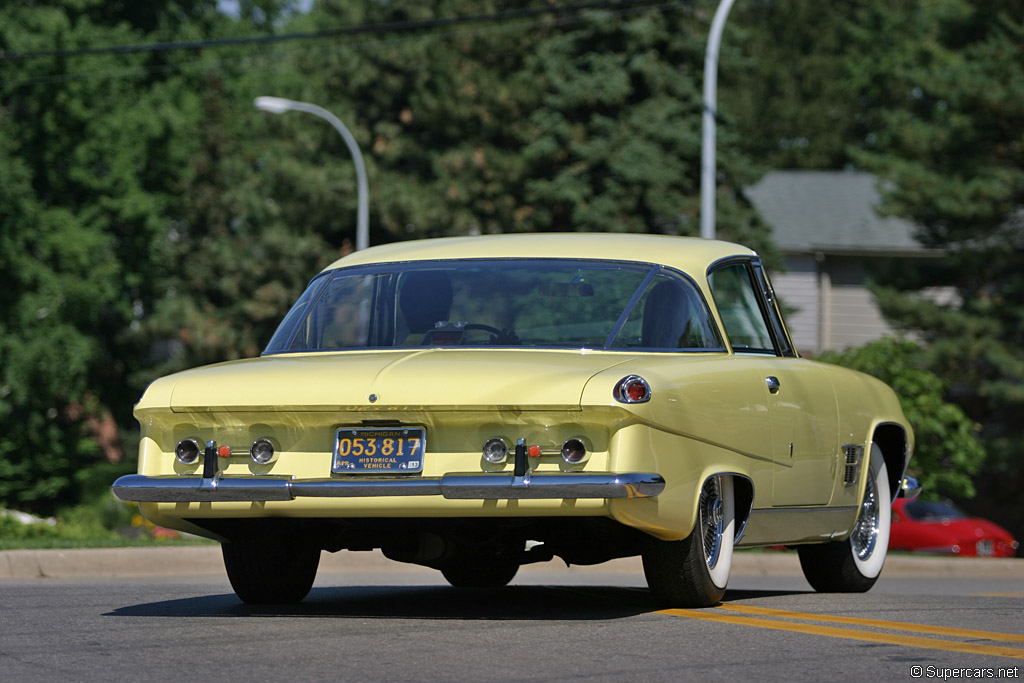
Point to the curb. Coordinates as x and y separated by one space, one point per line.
190 561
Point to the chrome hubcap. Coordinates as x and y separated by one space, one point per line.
711 521
865 531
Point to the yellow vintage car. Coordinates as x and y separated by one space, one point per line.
475 404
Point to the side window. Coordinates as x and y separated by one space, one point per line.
736 296
669 315
774 314
341 317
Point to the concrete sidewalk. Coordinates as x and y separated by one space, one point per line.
206 560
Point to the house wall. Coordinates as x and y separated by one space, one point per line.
798 293
827 303
855 318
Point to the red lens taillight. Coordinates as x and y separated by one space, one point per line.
632 389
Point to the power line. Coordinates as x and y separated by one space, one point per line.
386 27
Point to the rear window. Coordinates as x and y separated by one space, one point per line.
501 302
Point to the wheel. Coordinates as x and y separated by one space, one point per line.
693 572
853 565
270 572
492 574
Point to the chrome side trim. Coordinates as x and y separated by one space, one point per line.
817 508
139 488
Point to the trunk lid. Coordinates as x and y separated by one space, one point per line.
467 379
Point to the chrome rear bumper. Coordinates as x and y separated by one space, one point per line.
138 488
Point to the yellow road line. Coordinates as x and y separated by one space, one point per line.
1000 595
849 634
880 623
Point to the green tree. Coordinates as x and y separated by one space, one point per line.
530 125
234 267
797 103
90 152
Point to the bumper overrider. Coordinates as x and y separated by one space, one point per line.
139 488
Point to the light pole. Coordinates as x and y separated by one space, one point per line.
707 163
279 105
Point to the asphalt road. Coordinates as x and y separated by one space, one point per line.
372 620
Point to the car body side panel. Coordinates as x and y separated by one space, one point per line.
865 404
706 416
805 432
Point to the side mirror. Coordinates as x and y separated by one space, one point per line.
909 488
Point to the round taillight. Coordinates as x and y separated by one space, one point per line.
573 451
262 452
187 451
495 450
632 389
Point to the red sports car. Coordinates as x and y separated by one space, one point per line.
939 527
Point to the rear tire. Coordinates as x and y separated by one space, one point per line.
270 571
693 572
853 565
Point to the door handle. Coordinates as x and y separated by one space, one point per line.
773 384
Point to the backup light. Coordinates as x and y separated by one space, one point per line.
573 451
632 389
495 450
262 452
187 451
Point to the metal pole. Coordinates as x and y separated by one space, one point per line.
279 105
707 164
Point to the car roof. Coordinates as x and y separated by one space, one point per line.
689 254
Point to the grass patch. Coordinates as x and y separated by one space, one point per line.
105 523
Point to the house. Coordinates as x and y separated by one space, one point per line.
826 227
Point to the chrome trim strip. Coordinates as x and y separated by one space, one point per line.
362 488
534 485
469 486
818 508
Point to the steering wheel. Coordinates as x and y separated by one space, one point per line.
493 331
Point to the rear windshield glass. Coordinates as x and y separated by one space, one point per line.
537 303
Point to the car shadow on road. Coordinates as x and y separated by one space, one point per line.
421 602
533 602
738 595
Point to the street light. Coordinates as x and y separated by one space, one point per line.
279 105
707 164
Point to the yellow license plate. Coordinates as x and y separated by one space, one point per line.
379 451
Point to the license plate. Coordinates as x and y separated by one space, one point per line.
378 451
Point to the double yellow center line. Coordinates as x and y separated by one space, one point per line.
785 620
